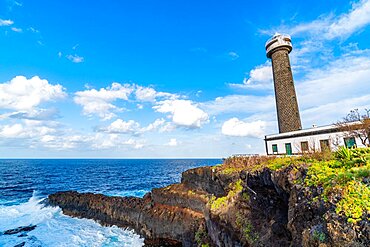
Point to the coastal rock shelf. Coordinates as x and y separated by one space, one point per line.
239 203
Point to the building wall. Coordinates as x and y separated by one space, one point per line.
335 140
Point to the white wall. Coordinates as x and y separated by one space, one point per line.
335 140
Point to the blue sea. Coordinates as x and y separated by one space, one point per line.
24 184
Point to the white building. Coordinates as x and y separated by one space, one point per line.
309 140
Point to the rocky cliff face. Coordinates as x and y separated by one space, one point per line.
227 205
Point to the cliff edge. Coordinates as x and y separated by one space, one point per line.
247 201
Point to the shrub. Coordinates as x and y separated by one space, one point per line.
355 201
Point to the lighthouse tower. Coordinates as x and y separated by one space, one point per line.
277 49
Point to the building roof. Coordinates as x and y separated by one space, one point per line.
307 132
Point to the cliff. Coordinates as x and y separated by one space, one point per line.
247 201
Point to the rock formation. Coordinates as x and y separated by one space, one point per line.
228 205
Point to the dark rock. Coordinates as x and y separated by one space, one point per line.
271 209
19 229
159 242
20 245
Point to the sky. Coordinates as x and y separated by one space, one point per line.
166 79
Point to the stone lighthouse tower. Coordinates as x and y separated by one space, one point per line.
277 49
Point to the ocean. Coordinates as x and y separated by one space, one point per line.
25 183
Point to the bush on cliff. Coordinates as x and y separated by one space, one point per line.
343 177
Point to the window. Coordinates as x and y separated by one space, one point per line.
288 148
350 142
274 148
304 147
324 145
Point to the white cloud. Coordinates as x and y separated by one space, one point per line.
17 30
145 93
259 78
331 26
6 22
24 94
345 77
12 131
157 124
34 30
357 18
236 127
99 103
108 141
123 127
183 112
172 142
239 104
148 94
75 58
233 55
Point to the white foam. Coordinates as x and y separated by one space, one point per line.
55 229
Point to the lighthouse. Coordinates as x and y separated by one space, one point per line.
278 49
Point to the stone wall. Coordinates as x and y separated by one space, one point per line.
286 99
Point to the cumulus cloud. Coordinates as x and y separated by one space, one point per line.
75 58
108 141
148 94
24 94
236 127
6 22
123 127
183 113
99 103
27 129
159 123
12 131
172 142
259 78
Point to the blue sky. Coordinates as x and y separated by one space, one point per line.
170 78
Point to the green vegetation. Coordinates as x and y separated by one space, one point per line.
229 170
355 201
319 236
341 178
246 229
220 202
200 237
345 175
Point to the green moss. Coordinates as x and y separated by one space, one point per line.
218 165
229 170
220 202
245 196
278 163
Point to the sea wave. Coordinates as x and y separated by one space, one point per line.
55 229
